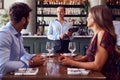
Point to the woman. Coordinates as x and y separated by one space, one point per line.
101 52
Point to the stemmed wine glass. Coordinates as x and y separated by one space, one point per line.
49 47
72 47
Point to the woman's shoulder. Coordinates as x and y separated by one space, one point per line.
103 34
100 34
104 37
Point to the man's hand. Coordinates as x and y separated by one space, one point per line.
36 61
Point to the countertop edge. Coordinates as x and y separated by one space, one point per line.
46 36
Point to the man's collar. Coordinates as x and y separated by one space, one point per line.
18 35
13 30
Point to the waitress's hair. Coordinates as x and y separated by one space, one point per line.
102 16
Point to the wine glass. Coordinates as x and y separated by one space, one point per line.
72 47
49 48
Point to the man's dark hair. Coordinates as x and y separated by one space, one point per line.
19 10
62 7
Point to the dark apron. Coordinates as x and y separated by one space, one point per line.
61 46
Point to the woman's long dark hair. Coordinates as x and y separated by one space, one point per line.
102 16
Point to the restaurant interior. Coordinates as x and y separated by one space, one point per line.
34 37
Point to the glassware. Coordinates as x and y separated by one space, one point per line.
52 68
49 48
72 48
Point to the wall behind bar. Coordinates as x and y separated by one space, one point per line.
32 25
96 2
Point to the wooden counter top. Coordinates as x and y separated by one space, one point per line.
55 71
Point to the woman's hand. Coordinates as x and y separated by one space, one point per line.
66 60
80 58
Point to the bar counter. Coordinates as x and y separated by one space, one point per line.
36 44
44 36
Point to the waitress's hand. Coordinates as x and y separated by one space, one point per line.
69 33
62 36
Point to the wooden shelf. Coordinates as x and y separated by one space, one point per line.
114 6
43 13
56 5
54 15
117 16
73 25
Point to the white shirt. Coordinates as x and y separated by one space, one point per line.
12 52
55 29
117 31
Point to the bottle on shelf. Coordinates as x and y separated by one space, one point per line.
40 2
40 30
43 22
72 21
75 9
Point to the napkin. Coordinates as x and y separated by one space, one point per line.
47 54
69 54
26 71
77 71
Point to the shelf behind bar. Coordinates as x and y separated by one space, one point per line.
54 15
73 25
117 16
65 5
114 6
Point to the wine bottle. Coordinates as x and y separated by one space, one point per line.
43 22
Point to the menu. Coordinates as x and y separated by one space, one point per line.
26 71
77 71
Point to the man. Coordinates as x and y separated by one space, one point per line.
58 31
12 52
